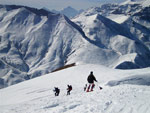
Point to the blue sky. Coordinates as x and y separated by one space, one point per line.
58 4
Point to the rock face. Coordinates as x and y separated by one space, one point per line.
34 42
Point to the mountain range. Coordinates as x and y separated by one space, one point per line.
34 42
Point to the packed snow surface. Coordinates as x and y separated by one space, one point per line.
124 91
118 18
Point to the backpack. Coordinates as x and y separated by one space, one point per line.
70 87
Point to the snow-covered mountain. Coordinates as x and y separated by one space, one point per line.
68 11
34 42
112 22
124 91
113 9
110 35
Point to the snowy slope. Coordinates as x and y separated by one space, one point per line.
139 25
118 18
123 92
133 2
144 3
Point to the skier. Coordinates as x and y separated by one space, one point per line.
57 91
69 89
91 78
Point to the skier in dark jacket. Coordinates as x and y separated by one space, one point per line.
57 91
69 89
91 78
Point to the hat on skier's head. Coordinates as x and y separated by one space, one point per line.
91 72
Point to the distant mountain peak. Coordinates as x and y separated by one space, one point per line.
68 11
69 7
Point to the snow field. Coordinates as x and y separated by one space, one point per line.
37 96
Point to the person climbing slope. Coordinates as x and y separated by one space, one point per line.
91 78
57 91
69 89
